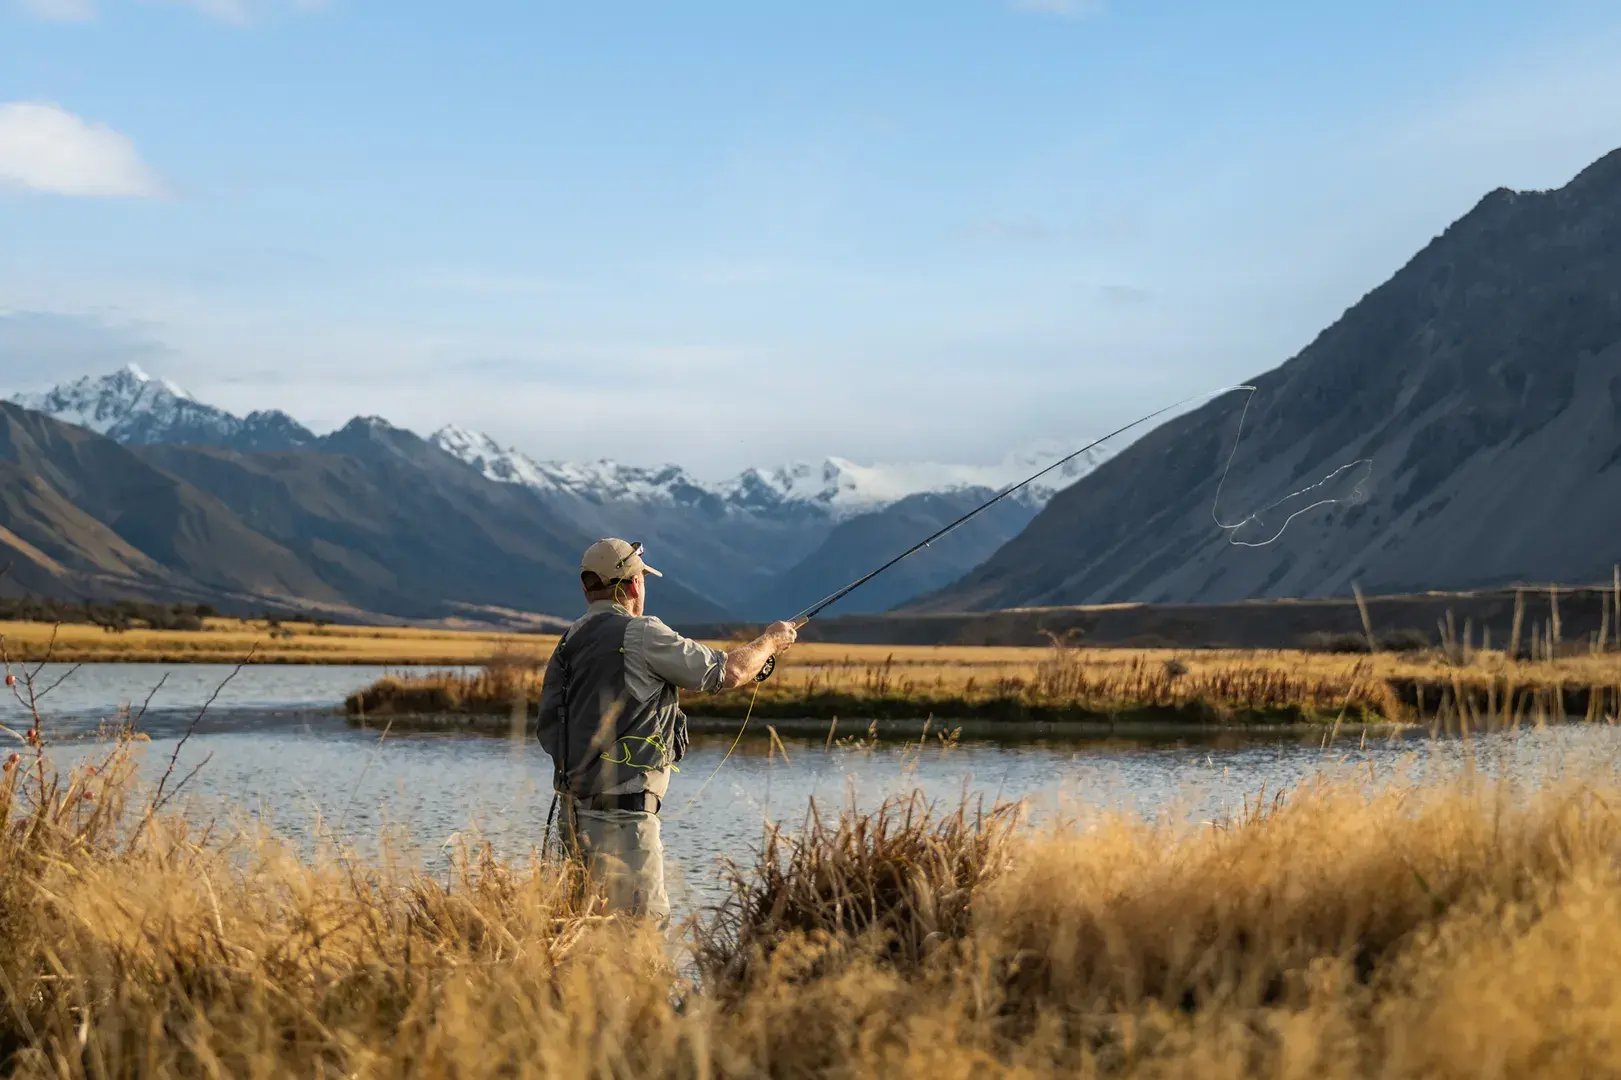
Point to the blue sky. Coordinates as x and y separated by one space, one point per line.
732 234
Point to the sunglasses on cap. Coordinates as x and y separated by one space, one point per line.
636 549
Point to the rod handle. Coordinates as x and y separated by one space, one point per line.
771 661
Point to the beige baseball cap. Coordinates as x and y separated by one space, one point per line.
612 559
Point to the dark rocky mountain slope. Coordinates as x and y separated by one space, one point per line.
1484 382
370 519
861 543
396 525
738 542
83 515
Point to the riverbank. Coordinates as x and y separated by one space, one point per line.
229 641
1523 621
985 690
1522 618
996 690
1328 931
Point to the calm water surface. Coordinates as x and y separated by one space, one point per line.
278 751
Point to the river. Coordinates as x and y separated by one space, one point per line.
274 749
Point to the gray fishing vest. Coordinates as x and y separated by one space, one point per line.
608 742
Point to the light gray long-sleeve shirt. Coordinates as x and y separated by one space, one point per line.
656 660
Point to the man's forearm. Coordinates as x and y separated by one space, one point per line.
745 661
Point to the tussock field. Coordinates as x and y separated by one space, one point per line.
1468 930
227 641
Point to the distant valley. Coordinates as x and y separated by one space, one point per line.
374 519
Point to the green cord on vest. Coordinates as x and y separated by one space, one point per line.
739 738
651 740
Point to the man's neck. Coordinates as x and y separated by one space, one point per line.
607 604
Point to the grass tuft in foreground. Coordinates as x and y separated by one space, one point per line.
1467 929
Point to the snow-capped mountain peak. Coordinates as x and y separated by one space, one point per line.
123 404
834 488
842 487
484 454
135 372
596 481
131 406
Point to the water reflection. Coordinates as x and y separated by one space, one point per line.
277 752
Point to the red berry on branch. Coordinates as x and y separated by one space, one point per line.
13 759
11 680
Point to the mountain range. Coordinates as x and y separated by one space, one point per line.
369 520
1458 427
384 521
1479 389
135 408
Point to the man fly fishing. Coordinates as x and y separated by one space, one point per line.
610 714
611 719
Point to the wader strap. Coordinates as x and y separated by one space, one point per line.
560 781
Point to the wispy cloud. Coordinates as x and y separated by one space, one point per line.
40 348
243 12
59 10
487 283
1009 231
1125 294
43 147
231 11
1064 9
237 12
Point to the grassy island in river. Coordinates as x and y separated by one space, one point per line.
1060 685
994 687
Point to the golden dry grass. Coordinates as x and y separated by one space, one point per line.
823 680
1459 930
229 640
946 666
1062 683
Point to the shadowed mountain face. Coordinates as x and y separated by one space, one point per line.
370 519
83 514
396 525
1483 381
737 543
859 544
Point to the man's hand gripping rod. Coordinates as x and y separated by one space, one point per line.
771 661
834 597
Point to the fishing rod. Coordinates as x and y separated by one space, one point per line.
832 598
